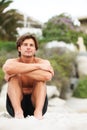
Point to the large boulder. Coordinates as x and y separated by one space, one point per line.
81 61
3 98
52 91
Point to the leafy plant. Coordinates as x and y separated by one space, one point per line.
62 28
1 78
81 89
9 21
63 65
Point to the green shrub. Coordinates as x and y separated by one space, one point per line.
63 65
1 78
7 50
81 89
62 28
7 46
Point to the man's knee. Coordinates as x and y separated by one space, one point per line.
14 83
15 79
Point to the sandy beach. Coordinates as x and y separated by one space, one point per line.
68 114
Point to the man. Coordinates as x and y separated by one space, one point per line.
27 76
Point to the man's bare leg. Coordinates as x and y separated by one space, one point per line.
38 98
15 95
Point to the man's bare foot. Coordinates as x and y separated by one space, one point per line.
38 115
19 114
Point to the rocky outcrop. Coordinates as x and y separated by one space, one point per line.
81 62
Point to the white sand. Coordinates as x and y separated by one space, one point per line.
61 115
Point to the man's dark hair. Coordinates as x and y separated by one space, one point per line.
24 37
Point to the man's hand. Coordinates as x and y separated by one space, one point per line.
47 67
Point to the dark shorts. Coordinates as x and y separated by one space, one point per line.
26 105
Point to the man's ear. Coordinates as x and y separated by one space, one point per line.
19 49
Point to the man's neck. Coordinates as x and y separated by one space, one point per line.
27 59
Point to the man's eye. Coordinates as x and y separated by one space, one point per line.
31 45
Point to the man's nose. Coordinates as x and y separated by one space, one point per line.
28 46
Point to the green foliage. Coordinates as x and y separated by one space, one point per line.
2 60
10 20
81 89
62 28
63 68
1 78
63 64
7 46
85 39
7 50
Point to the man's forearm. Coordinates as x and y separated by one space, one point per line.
39 75
17 68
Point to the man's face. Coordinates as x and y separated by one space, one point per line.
27 48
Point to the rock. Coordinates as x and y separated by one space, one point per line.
3 98
52 91
81 45
81 61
